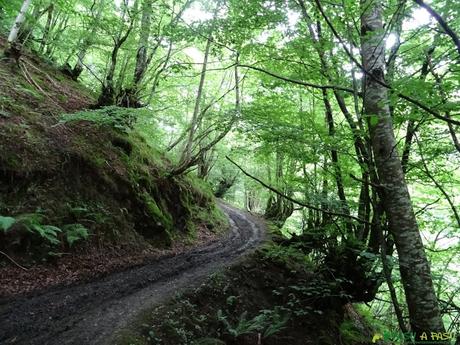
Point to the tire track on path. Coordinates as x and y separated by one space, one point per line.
90 313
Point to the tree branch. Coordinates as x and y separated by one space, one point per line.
332 213
361 67
442 23
298 82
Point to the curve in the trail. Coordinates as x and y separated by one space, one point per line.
90 313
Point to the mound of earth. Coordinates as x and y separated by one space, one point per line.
267 299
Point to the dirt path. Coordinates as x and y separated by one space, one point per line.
90 313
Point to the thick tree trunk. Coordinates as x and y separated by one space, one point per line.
251 201
107 96
27 28
13 36
225 183
415 271
278 209
144 56
129 97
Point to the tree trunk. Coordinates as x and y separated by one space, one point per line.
278 209
26 30
325 217
108 94
186 154
144 57
13 36
317 38
141 56
225 183
46 33
251 201
387 274
87 42
421 299
335 160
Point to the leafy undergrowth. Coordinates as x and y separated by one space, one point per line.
76 181
271 297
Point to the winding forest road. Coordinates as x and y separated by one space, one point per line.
90 313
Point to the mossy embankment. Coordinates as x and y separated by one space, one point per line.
85 181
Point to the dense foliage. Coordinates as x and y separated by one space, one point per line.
285 89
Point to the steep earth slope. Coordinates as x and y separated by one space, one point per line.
81 192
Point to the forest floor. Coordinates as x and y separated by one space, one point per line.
90 312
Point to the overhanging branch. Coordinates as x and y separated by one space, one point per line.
332 213
298 82
361 67
442 23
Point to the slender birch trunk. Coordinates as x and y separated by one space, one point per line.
13 36
415 271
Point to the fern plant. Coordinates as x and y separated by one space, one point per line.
75 232
244 326
268 322
33 223
6 223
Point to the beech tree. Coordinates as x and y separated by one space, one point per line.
413 264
